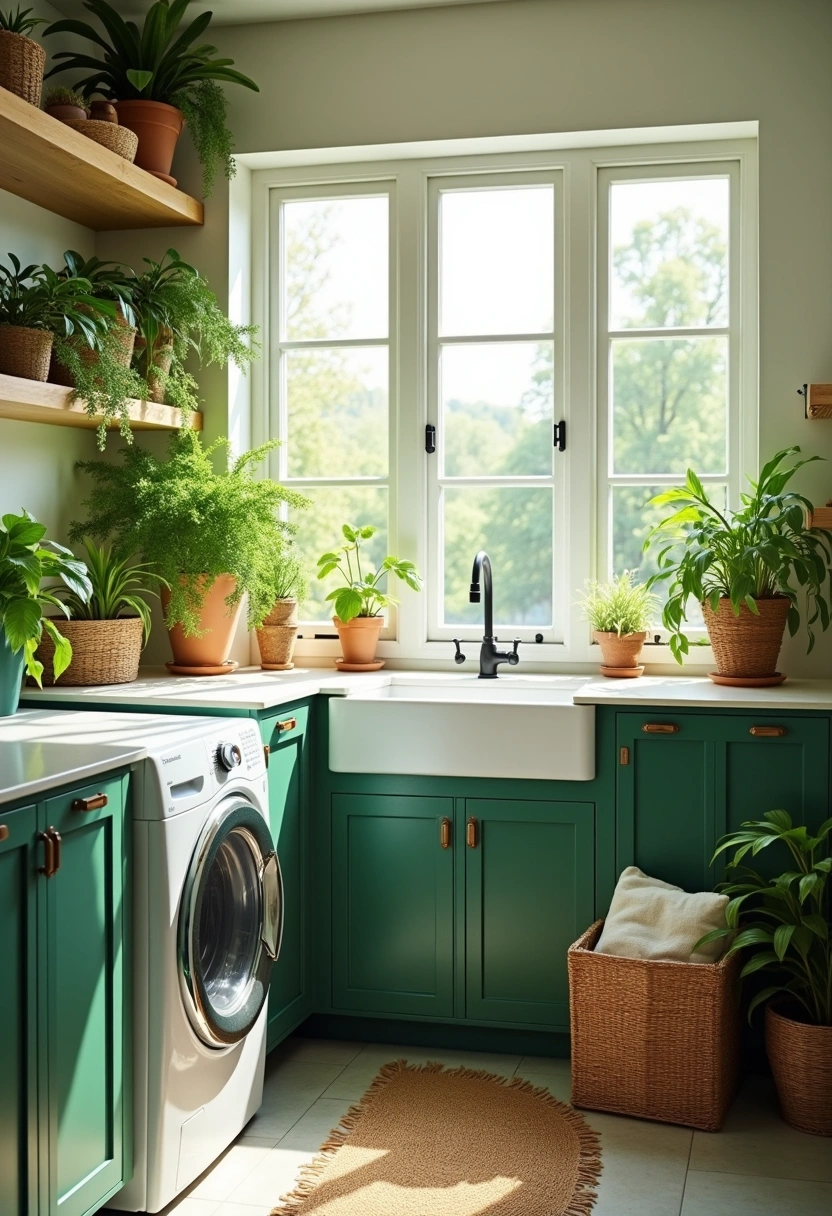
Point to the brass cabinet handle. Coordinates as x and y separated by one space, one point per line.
51 852
445 832
768 732
660 728
4 832
90 804
286 724
267 751
471 833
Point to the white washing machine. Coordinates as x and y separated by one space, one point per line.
206 932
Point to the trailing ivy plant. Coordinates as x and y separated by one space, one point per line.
159 62
361 595
192 523
764 550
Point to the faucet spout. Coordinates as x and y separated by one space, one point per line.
482 587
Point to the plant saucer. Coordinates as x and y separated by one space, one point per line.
342 666
621 673
220 669
747 681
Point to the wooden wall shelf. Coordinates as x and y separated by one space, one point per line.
33 401
818 400
47 163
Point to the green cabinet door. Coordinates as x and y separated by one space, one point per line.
84 1004
392 904
290 998
18 1014
529 893
684 780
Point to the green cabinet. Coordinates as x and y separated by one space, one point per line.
69 1148
529 893
392 904
290 991
685 779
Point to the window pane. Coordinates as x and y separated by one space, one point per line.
337 412
669 263
336 268
497 261
497 409
319 531
670 405
515 527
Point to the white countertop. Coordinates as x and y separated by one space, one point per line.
253 689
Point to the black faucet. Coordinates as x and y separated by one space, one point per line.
490 656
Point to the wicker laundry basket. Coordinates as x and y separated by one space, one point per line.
657 1040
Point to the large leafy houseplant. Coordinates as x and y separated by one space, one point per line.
765 551
26 560
192 523
159 62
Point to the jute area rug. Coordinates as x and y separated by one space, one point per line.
425 1141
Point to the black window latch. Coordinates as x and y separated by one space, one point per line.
430 439
560 436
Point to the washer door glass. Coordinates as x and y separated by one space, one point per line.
230 924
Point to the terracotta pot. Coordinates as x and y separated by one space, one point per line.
11 676
359 637
277 646
620 650
25 352
22 61
748 644
158 127
285 612
801 1059
103 652
103 111
217 627
65 113
162 359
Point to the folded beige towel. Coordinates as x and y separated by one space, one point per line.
652 919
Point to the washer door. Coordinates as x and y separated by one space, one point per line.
230 923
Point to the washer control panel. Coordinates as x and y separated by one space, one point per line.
228 756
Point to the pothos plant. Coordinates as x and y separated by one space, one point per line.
765 549
362 595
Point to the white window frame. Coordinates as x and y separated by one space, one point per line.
580 467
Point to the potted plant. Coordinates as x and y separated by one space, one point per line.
160 77
177 314
748 569
785 923
212 536
37 305
108 629
620 614
65 104
22 60
360 602
25 561
276 636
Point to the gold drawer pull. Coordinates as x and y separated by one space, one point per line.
768 732
51 852
471 833
4 832
445 832
267 751
286 724
660 728
90 804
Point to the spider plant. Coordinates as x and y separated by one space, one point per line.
20 21
119 586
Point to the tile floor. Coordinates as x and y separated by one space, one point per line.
756 1166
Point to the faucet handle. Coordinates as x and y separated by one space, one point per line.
459 657
514 657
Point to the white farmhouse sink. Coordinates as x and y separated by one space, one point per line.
461 726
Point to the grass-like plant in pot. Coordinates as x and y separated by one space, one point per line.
620 614
211 535
753 570
360 602
65 104
784 923
109 628
276 636
26 559
178 315
160 77
22 60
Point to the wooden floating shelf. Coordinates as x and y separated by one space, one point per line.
34 401
50 164
819 401
821 517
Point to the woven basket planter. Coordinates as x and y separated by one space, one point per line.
748 644
103 652
656 1040
277 646
122 353
285 612
118 139
162 359
25 352
801 1060
22 61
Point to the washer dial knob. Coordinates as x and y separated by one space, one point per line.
229 756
